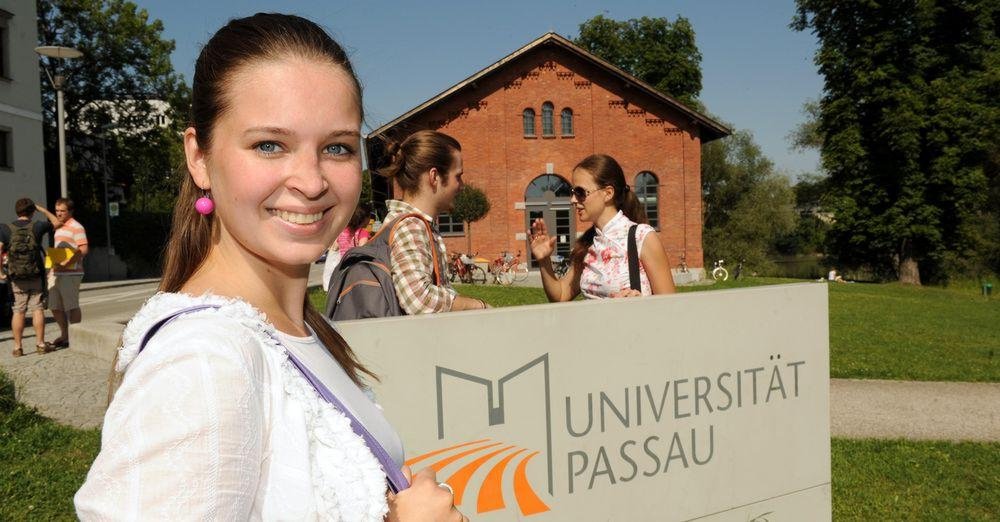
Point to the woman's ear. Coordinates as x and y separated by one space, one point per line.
196 160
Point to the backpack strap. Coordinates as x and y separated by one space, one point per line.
633 260
397 481
430 235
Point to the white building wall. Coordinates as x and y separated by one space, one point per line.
20 107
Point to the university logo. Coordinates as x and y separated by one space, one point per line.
493 470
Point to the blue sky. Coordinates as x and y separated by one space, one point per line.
757 72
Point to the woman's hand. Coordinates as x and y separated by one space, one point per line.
423 501
628 292
542 245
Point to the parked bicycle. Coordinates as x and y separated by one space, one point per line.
507 268
464 268
719 273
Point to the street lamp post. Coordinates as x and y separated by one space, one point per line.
58 82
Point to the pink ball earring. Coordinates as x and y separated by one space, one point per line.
204 205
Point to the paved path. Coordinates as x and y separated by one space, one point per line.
71 387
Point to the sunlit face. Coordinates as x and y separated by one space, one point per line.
284 165
63 212
595 197
449 187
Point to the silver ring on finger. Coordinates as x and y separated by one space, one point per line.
447 486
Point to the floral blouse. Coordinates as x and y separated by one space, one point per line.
605 267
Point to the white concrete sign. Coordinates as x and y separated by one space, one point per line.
700 406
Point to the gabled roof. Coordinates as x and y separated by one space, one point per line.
711 129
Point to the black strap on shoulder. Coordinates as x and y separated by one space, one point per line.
633 260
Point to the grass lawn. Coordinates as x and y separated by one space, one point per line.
904 480
877 331
44 463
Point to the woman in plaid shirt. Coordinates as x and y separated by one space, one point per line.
427 166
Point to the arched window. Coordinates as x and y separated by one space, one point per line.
647 190
559 187
547 128
567 122
529 122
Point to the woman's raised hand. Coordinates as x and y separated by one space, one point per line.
424 501
542 245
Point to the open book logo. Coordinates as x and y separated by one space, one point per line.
479 467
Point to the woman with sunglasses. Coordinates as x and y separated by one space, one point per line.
599 261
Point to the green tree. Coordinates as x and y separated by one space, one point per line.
125 111
658 52
748 206
809 235
113 96
471 204
908 119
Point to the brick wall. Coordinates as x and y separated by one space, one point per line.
642 133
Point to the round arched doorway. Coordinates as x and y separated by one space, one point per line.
547 198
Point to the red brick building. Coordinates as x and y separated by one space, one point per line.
526 120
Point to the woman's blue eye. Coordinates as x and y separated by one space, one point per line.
267 147
337 149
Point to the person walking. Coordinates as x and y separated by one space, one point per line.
64 285
21 240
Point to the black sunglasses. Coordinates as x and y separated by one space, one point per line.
581 193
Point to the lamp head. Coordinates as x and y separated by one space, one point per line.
57 51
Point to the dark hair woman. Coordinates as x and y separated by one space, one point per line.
599 261
229 411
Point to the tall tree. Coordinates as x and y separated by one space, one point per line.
471 204
910 113
748 206
658 52
114 97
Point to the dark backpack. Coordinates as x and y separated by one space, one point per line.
23 254
361 285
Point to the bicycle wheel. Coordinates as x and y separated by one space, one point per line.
520 273
505 277
477 275
720 274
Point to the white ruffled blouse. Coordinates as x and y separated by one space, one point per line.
214 422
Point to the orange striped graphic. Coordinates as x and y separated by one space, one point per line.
491 493
443 463
490 496
426 456
527 500
460 478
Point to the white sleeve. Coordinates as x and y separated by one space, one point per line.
183 437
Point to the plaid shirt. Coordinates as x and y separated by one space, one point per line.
412 268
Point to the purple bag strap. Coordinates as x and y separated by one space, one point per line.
397 481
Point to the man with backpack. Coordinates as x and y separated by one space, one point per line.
400 270
25 268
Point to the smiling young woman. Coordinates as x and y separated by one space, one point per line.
238 400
